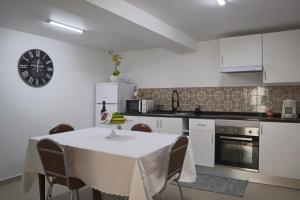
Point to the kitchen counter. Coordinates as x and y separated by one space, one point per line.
218 115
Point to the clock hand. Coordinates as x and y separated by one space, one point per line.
38 63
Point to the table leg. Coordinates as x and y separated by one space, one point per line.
42 186
97 195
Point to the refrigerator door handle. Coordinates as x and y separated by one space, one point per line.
140 106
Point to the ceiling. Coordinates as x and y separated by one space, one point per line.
205 19
31 15
199 19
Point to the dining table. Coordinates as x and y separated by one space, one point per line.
134 164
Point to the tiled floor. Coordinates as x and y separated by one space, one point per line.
12 191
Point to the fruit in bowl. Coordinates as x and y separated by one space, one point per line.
114 118
117 118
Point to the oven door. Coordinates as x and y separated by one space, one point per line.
237 151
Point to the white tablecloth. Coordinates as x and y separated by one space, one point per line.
133 164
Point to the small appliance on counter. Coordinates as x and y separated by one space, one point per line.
289 109
141 106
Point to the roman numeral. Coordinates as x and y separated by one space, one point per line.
44 56
49 69
48 62
25 59
30 80
25 74
43 80
37 53
48 76
23 66
36 81
30 54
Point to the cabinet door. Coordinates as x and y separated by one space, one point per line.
170 125
242 51
203 145
279 150
131 121
202 125
107 92
152 122
281 57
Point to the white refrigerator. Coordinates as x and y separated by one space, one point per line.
115 95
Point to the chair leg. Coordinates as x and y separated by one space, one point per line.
162 196
77 194
180 190
72 192
49 192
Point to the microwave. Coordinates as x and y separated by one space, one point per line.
141 106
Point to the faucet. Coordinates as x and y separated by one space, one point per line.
174 109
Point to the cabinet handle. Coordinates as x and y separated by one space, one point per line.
265 75
202 125
222 60
157 123
161 123
212 138
261 129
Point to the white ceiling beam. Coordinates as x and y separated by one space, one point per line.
154 31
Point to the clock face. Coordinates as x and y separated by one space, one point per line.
35 68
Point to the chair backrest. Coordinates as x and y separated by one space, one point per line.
61 128
142 128
53 159
177 155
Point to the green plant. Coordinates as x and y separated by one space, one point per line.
116 60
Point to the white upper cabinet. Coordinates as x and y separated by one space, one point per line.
241 54
281 57
279 150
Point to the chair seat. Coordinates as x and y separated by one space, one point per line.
75 183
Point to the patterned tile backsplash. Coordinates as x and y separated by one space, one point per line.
225 99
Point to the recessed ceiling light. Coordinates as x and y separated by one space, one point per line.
221 2
66 26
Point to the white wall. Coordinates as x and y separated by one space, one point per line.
68 97
159 68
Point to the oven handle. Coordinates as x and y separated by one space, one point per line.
236 138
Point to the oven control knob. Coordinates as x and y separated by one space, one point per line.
250 131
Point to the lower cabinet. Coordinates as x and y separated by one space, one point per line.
152 122
157 124
170 125
279 150
202 135
131 121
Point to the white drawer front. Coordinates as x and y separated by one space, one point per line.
202 125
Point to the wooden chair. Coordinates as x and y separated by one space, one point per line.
61 128
176 160
142 128
55 167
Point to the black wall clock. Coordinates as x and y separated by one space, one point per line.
35 68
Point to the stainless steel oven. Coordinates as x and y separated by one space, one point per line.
237 144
